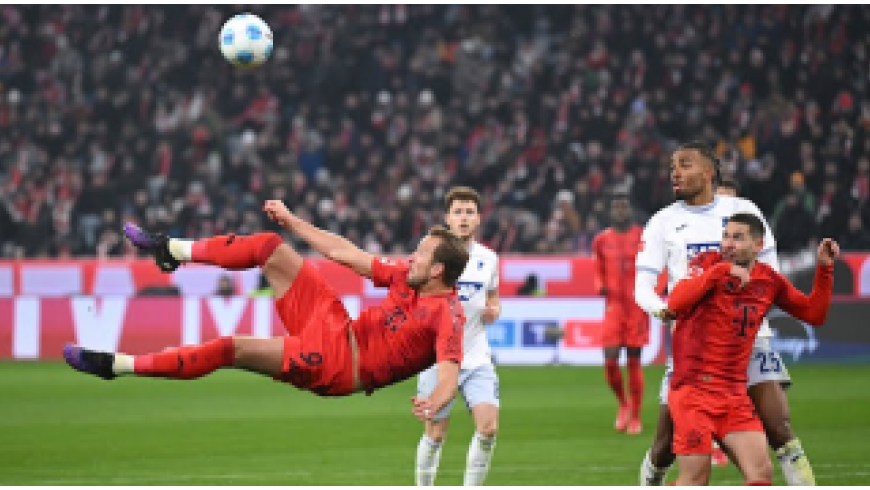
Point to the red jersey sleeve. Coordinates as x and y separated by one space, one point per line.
597 251
704 271
384 271
448 340
812 309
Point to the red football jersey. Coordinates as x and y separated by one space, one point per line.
406 333
717 321
614 264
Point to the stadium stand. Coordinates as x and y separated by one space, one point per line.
365 115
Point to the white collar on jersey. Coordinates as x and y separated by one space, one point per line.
700 209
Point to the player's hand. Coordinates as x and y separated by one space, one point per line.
828 252
740 273
665 315
278 212
423 408
489 314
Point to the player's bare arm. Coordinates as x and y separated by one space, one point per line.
492 310
445 390
333 247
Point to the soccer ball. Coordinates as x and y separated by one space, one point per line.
246 40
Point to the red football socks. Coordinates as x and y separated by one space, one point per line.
187 362
235 252
614 379
635 386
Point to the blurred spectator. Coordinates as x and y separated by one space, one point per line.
226 287
264 289
796 227
856 237
797 189
530 287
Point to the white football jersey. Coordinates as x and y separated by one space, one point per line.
678 232
479 277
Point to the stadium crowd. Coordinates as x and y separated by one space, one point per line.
365 115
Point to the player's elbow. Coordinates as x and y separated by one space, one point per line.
819 320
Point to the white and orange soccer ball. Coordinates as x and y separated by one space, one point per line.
246 40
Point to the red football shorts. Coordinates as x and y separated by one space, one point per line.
699 415
317 355
624 326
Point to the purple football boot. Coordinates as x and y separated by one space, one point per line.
88 361
157 244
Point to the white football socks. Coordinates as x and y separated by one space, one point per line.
122 364
428 455
794 463
479 455
182 250
650 475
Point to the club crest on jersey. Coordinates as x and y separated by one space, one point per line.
480 265
467 289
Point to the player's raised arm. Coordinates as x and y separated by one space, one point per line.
330 245
812 309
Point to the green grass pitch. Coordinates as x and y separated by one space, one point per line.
60 427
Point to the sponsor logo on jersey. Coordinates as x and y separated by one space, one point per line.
693 249
480 265
467 289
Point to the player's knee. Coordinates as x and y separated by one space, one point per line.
436 431
760 471
241 351
488 428
779 431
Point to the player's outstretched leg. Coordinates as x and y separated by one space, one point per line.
264 356
233 252
157 244
186 362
